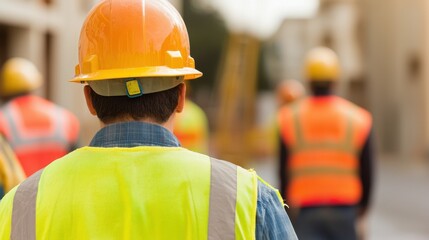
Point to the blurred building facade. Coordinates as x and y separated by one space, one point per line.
384 46
396 58
46 32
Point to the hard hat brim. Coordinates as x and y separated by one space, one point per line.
159 71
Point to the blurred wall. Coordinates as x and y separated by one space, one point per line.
46 32
395 40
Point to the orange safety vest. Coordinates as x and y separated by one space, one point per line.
325 136
38 131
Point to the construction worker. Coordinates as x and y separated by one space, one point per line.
38 130
11 173
326 156
289 91
191 128
134 181
266 140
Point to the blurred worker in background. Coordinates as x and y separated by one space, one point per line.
266 145
266 141
326 156
288 91
38 130
191 128
11 173
134 181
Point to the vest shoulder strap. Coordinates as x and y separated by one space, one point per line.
223 194
24 209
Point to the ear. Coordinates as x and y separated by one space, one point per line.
182 98
87 92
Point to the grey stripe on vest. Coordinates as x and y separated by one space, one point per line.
18 141
223 198
24 209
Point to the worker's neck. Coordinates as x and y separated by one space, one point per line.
169 124
322 92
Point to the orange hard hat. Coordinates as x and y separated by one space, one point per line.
322 64
19 75
125 39
288 91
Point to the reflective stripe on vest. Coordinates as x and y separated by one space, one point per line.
222 211
24 209
36 147
223 197
18 138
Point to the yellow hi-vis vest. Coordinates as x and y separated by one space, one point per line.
133 193
11 173
191 128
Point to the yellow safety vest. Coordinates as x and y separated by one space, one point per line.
191 128
11 173
133 193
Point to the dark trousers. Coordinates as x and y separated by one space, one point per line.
326 223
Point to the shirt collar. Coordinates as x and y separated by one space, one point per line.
134 134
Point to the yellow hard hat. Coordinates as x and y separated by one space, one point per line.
134 39
322 64
18 75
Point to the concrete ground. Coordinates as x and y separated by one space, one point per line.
400 206
401 201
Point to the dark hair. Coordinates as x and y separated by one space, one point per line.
156 106
322 88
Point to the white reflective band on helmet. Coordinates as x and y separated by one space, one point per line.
118 87
222 209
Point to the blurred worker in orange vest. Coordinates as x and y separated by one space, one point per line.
11 173
191 128
326 156
38 130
